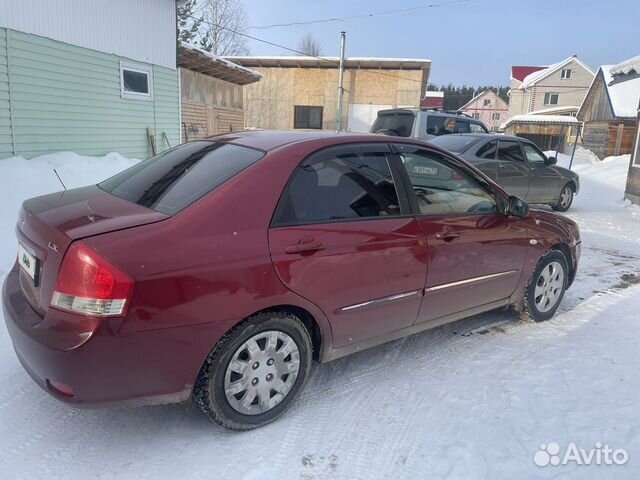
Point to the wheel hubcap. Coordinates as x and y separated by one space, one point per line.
565 196
261 372
549 287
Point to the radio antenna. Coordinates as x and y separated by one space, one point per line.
60 180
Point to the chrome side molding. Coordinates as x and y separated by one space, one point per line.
469 280
378 301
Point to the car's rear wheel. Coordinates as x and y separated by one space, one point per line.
546 286
255 372
565 199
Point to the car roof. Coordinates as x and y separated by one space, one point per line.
490 136
271 139
439 113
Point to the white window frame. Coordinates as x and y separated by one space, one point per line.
550 94
133 67
487 102
569 74
495 116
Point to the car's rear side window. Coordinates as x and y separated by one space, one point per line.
396 123
339 184
455 143
510 150
488 150
442 125
173 180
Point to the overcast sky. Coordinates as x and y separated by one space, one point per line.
471 43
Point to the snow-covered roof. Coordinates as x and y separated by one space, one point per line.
628 66
434 93
546 111
535 77
533 118
199 60
330 62
623 94
484 92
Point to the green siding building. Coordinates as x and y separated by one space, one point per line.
58 95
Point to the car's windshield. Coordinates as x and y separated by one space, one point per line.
394 123
173 180
455 143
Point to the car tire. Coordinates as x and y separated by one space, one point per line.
271 354
565 199
546 286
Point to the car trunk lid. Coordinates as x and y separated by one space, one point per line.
48 224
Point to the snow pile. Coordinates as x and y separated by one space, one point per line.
21 179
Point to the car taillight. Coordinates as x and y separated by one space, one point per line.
89 284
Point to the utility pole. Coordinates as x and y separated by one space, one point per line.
340 83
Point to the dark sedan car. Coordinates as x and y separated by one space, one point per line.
221 268
518 166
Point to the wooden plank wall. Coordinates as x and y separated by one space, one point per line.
229 120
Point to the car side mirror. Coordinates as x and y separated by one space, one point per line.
551 160
517 207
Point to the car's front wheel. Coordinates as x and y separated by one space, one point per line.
565 200
546 286
255 372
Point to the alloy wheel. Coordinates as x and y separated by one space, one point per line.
565 197
549 287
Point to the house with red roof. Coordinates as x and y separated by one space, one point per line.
563 84
433 100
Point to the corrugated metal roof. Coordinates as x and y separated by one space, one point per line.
293 61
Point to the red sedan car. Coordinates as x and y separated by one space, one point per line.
220 269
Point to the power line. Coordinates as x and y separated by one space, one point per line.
401 11
328 60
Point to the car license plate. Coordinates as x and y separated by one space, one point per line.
425 170
27 262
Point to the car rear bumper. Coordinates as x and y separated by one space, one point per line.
105 368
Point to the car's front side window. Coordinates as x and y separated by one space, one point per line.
339 184
533 155
441 188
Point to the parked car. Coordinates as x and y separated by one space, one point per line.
424 123
220 269
518 166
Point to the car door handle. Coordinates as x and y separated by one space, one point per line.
447 235
304 247
501 165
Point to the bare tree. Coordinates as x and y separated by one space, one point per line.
309 45
223 22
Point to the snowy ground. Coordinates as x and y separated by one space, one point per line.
469 400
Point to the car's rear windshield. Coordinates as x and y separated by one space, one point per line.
455 143
173 180
394 123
